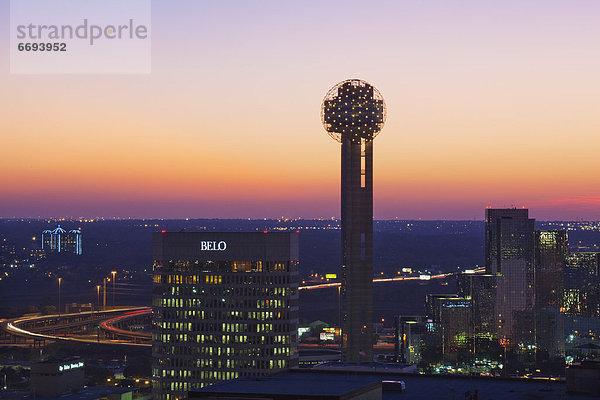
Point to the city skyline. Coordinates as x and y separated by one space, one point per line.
490 105
532 309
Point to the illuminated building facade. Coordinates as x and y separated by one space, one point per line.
481 290
410 332
353 113
225 305
62 241
550 257
509 252
582 291
581 303
451 318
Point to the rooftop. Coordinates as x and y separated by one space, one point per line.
89 393
294 384
330 384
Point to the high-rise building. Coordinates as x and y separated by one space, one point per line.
582 280
353 113
509 253
61 241
581 303
225 305
481 289
451 318
410 331
550 258
434 303
450 325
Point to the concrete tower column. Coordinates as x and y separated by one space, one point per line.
357 248
353 113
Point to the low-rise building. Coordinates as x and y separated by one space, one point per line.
54 377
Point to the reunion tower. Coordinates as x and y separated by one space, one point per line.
353 113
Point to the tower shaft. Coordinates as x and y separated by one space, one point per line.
357 248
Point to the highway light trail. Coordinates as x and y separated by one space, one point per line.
13 327
378 280
108 324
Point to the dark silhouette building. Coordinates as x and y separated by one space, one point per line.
55 377
450 317
353 113
550 257
509 253
581 302
481 289
410 332
582 284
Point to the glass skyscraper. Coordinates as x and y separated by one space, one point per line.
582 284
509 252
481 290
225 305
550 258
451 318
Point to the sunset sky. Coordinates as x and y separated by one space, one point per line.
490 103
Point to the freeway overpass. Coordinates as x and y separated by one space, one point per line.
106 327
85 327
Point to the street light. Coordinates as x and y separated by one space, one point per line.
59 281
98 300
114 279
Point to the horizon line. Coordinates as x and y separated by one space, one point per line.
277 219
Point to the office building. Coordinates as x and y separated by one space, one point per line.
225 305
62 241
55 377
581 302
481 290
509 253
353 113
582 291
410 335
434 303
550 259
451 318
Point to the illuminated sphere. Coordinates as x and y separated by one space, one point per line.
353 107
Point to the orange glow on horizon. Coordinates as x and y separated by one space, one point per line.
481 111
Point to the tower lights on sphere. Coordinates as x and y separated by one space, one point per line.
353 113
